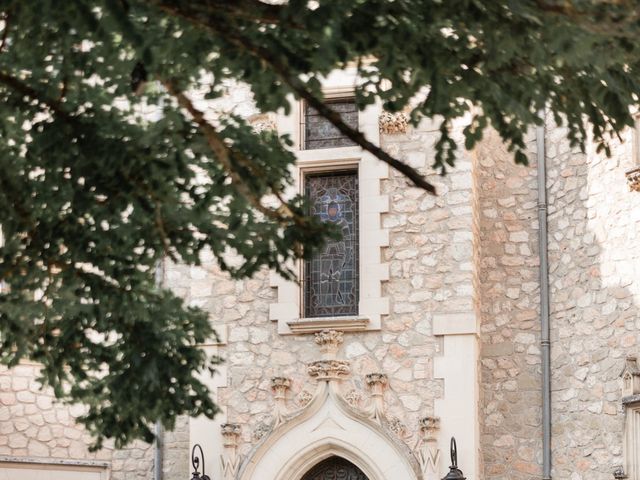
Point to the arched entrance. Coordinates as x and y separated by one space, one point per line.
335 468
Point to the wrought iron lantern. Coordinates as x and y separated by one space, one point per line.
454 472
196 458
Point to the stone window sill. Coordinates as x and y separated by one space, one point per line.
345 324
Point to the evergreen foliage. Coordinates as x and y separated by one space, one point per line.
94 193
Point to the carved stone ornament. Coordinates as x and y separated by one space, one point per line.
329 369
353 398
630 377
261 430
230 434
392 123
230 460
279 387
426 449
633 179
329 342
397 427
262 122
304 398
376 383
428 427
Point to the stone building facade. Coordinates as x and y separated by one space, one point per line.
445 342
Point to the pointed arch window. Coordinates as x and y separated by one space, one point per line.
331 276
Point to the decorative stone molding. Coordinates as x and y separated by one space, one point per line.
392 123
313 325
262 122
633 179
397 427
329 370
376 383
261 430
426 449
630 377
230 460
428 427
279 387
329 342
303 398
353 398
326 427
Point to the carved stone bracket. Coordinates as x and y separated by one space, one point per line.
633 179
329 369
377 383
329 342
426 449
262 122
230 460
279 387
391 123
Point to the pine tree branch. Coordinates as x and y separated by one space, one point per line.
298 86
224 155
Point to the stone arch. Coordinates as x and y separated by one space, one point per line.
328 427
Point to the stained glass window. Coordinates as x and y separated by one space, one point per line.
331 276
320 133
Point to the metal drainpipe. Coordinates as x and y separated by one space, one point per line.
158 458
545 342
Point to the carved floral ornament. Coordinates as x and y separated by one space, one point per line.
633 179
262 122
332 380
393 123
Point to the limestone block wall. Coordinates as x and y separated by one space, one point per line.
594 222
33 426
508 297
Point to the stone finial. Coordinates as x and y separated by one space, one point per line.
633 179
230 434
630 377
428 427
376 382
390 123
329 342
230 460
279 387
426 450
329 369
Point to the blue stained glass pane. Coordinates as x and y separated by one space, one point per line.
331 276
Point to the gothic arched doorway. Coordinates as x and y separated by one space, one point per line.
335 468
